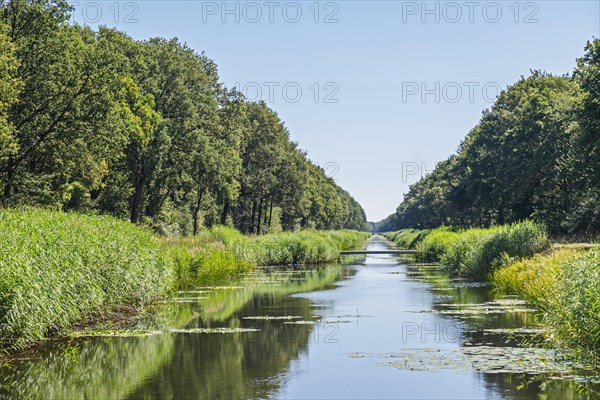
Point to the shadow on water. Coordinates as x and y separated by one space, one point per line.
377 328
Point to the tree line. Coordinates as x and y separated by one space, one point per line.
92 120
535 154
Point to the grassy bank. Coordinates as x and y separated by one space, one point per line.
222 253
56 269
564 285
59 268
562 281
474 252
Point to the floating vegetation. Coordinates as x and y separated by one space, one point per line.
513 331
485 359
193 291
114 333
214 330
271 317
220 287
186 299
352 316
500 306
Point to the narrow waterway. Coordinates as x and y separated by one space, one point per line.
374 328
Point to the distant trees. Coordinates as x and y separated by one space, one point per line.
94 120
534 154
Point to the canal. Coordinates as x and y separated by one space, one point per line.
374 327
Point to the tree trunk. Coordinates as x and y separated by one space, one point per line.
501 214
136 204
197 210
225 212
260 209
566 196
10 175
253 215
271 212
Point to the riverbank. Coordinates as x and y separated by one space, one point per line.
58 268
561 281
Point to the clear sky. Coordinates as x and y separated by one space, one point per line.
375 91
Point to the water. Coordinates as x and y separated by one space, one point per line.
378 328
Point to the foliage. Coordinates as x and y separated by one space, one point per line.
96 121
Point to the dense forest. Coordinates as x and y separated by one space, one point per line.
535 154
95 121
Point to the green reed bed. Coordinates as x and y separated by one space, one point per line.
476 252
221 253
406 238
58 268
565 285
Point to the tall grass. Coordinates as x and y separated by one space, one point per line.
57 268
536 279
474 252
221 253
565 286
407 238
576 315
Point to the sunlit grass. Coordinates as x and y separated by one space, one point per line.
58 268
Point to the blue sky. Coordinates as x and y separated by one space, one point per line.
376 91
